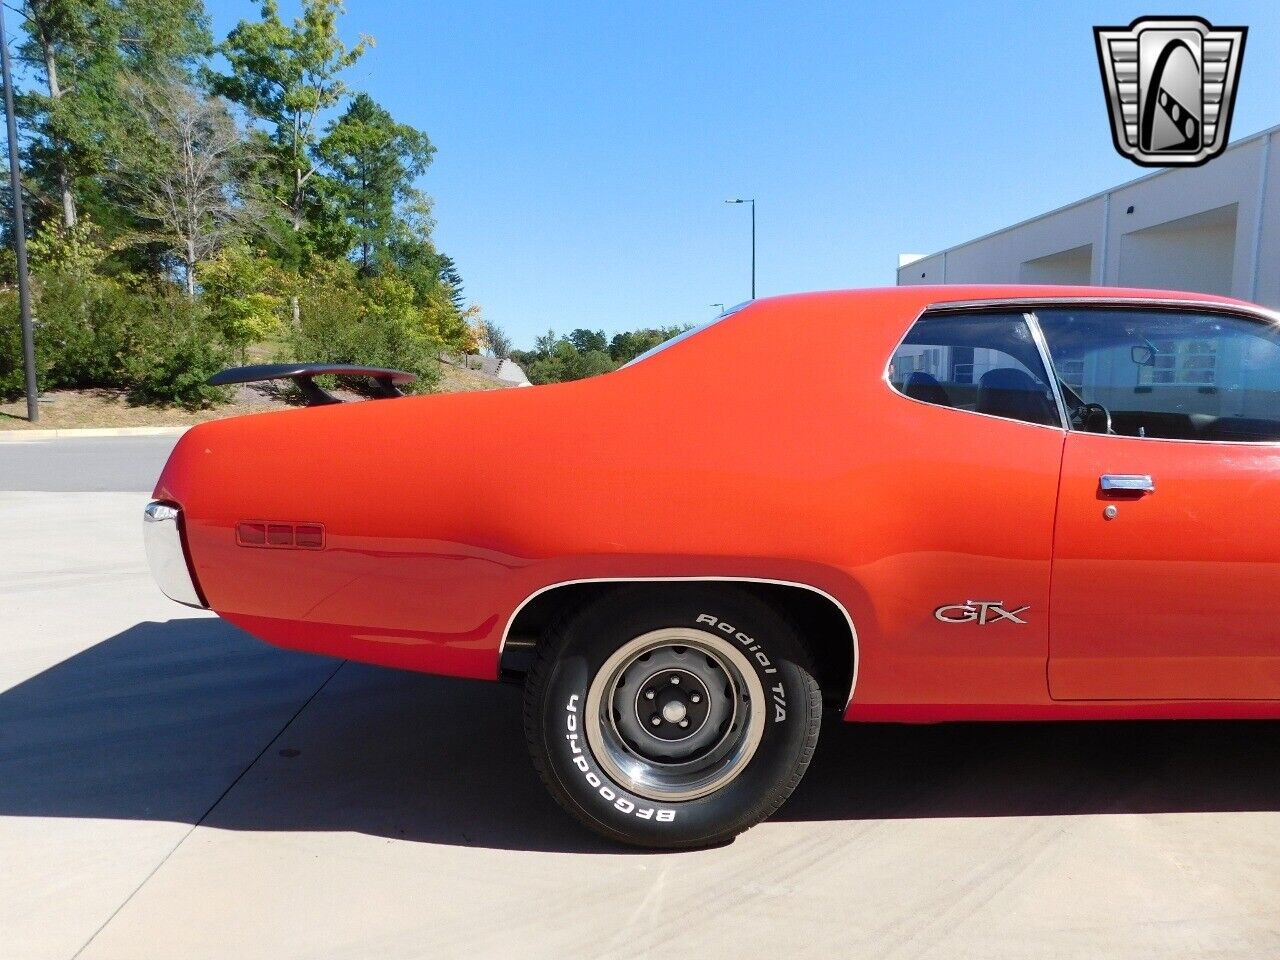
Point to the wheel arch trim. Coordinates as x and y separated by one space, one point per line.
844 611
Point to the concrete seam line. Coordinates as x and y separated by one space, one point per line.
20 436
213 806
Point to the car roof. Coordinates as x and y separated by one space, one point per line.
891 309
942 294
881 316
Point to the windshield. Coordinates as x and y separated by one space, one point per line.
686 335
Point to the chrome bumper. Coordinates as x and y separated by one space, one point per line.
162 536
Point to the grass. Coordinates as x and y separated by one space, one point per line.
75 409
456 379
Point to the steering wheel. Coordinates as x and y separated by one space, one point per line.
1091 418
1084 416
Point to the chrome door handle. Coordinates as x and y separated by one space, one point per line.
1126 483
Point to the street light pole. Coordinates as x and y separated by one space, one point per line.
19 232
753 241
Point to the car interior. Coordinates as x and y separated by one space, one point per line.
1166 374
1151 374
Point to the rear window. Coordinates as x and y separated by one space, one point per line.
981 362
692 331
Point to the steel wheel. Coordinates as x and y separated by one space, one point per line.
675 714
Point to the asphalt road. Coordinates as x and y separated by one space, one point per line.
98 464
170 787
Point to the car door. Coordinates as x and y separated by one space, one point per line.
1166 571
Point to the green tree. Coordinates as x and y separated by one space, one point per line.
583 352
584 341
287 76
629 344
83 53
184 191
496 339
448 274
372 162
241 290
545 344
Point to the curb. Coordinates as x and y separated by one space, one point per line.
21 436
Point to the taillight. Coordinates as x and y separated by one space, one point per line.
251 534
267 533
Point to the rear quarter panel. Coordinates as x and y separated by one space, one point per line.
442 513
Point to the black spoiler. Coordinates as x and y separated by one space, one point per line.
386 382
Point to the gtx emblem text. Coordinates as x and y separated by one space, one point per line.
980 612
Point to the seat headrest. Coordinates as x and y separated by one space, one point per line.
1014 393
925 386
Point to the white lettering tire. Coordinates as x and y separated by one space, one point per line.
672 718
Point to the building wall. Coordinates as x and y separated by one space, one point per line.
1199 252
1214 228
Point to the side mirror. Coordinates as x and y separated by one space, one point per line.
1143 356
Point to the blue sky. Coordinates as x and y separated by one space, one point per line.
585 149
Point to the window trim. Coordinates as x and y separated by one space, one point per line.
1246 311
1037 337
1050 369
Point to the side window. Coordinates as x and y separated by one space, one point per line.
983 362
1167 374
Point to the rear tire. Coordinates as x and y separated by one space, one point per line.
672 721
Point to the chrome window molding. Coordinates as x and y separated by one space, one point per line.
979 306
1248 311
853 631
1050 371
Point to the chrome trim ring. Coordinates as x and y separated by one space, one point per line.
637 739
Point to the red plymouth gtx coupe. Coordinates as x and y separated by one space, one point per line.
917 504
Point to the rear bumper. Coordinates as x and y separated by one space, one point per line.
162 537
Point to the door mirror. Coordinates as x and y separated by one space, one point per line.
1143 356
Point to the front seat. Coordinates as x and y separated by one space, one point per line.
1009 392
925 387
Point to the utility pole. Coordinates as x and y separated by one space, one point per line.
19 232
753 242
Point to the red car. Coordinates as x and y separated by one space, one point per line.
916 504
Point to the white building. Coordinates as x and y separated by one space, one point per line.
1214 228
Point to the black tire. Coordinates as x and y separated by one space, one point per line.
760 766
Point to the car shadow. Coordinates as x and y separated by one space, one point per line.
194 721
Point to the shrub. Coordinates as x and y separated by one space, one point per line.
238 287
173 349
12 374
94 332
82 329
375 325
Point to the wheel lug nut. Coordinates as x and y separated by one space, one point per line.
675 679
648 694
656 721
684 723
695 698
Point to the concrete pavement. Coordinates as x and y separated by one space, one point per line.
170 787
84 464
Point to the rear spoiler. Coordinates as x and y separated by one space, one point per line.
386 382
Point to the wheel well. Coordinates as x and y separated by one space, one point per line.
822 624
